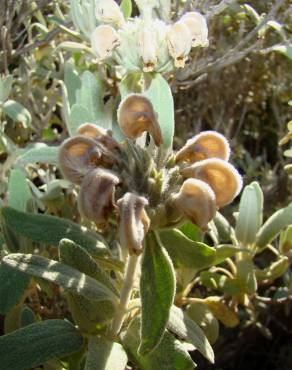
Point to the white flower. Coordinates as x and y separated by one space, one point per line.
148 48
108 11
179 41
104 40
197 25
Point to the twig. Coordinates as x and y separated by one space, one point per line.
269 300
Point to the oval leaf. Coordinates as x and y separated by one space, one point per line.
157 287
250 215
37 343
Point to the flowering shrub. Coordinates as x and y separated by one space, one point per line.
141 265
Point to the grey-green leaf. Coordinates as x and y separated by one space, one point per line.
126 8
157 288
12 287
105 355
18 190
5 87
161 98
185 251
43 154
250 215
72 81
37 343
50 230
78 116
168 355
60 274
186 329
273 226
17 112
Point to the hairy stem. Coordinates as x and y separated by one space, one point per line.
130 274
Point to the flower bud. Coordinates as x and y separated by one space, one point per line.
197 201
104 40
99 134
96 196
222 177
136 115
179 41
80 154
133 222
148 49
108 11
208 144
198 28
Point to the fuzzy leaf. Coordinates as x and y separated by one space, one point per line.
72 81
186 329
185 251
161 98
60 274
43 154
105 355
5 87
157 287
78 116
50 230
169 354
273 226
37 343
17 112
18 190
250 215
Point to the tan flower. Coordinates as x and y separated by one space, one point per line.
208 144
222 177
96 196
179 41
99 134
196 200
104 40
133 222
136 115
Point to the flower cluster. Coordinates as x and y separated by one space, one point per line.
123 181
210 180
143 43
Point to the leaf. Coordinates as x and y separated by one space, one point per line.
224 230
60 274
161 98
87 314
126 8
72 81
201 315
43 154
246 276
273 226
250 215
5 87
169 354
223 252
222 312
191 231
185 251
27 316
186 329
91 97
130 84
78 116
274 270
18 190
17 112
12 287
50 230
157 289
105 355
35 344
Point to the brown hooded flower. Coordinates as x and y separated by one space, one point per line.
136 115
196 200
222 177
133 222
96 197
208 144
99 134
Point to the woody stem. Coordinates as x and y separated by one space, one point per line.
130 274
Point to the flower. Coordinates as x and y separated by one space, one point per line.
179 41
136 115
104 40
148 49
198 28
108 11
207 144
197 201
133 222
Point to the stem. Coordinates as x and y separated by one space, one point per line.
130 273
